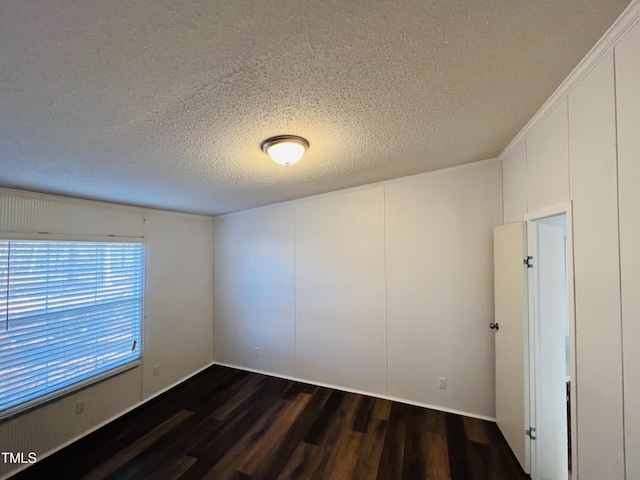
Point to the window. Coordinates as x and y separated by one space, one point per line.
69 312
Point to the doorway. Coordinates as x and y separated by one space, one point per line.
551 353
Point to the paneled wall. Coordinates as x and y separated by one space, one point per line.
177 329
627 61
548 160
591 139
255 270
536 170
392 288
340 290
514 184
592 150
439 246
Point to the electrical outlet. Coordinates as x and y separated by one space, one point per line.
256 351
156 370
442 383
80 407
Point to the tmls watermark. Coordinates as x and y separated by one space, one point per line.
18 457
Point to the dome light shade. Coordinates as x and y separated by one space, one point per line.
285 149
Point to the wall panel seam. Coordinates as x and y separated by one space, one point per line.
295 289
386 310
615 119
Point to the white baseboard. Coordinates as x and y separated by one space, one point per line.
361 392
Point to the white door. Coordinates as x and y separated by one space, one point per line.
510 286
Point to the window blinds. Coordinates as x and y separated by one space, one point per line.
68 311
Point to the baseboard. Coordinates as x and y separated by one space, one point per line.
360 392
106 422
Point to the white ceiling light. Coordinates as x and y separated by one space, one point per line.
285 149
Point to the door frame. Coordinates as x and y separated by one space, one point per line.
565 208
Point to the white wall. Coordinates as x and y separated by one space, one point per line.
595 117
392 282
547 159
439 251
627 61
536 169
514 183
177 329
340 290
255 270
592 150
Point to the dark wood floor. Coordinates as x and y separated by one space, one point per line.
229 424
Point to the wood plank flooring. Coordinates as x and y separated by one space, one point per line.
230 424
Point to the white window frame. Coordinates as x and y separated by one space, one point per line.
100 377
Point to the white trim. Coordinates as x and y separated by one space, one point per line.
105 422
549 211
622 25
367 186
360 392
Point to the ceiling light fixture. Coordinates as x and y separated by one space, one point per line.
285 149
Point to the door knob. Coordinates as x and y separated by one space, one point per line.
494 326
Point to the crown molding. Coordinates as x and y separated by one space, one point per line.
627 20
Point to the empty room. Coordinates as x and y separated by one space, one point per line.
320 239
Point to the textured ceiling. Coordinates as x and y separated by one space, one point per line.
164 103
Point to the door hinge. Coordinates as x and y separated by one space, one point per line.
527 261
531 432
